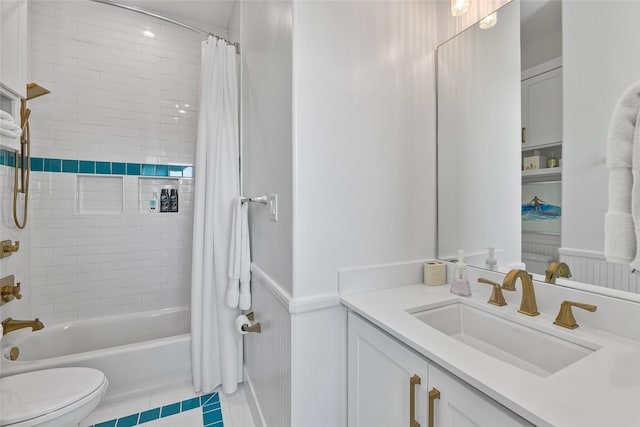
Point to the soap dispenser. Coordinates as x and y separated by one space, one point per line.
491 263
460 285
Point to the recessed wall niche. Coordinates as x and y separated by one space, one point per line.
97 194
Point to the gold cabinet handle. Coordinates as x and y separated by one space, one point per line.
433 395
523 135
496 296
565 316
413 381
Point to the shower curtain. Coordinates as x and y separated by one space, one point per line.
216 348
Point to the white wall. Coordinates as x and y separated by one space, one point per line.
364 169
599 64
364 155
114 97
266 132
264 32
541 50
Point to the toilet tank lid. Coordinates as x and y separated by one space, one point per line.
34 394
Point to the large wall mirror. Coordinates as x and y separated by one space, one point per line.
524 108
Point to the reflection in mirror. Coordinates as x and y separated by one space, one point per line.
478 141
587 69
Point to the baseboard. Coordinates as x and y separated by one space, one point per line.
254 406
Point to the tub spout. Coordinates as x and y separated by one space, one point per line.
10 325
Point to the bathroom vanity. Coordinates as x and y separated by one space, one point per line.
419 353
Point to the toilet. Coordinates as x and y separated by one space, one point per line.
59 397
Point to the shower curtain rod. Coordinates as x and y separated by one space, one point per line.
166 19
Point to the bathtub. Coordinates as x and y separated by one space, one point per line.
139 352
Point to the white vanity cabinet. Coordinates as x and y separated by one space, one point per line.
381 391
13 47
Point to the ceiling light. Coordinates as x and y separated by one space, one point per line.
182 111
459 7
489 21
147 33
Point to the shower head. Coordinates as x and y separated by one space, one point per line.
34 91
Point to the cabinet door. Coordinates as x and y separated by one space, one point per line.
460 405
13 46
542 109
380 371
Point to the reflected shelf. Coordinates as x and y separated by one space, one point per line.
544 174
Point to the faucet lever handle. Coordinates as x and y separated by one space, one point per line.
565 316
496 296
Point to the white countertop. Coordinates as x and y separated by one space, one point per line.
601 389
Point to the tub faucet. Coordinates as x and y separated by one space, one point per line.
528 304
556 269
10 325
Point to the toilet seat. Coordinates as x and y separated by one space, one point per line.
35 397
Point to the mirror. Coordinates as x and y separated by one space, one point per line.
481 94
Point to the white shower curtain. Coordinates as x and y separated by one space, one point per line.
216 349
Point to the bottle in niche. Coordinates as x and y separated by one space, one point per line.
173 200
153 203
164 200
552 162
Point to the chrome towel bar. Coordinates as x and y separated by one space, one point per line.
260 199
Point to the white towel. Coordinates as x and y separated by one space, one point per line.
6 116
239 291
622 220
8 126
10 133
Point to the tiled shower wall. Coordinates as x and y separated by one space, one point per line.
17 264
116 97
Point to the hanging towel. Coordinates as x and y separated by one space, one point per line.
238 292
8 126
622 220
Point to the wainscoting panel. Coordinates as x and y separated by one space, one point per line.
267 355
592 267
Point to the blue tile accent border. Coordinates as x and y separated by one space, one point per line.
211 413
45 164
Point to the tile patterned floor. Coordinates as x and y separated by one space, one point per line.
176 408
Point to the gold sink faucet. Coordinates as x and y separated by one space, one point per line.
565 316
10 325
496 296
556 269
528 304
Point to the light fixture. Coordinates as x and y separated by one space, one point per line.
182 111
489 21
459 7
147 33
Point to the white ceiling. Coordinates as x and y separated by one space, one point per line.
211 15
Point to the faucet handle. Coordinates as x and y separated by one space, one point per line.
565 316
496 296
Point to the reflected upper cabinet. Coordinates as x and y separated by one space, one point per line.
13 47
542 109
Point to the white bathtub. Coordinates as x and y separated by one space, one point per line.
139 352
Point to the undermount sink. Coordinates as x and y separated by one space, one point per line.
527 348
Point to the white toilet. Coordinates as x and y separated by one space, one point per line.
60 397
